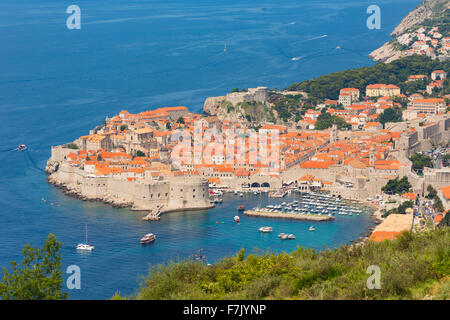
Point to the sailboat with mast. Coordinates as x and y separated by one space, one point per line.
85 246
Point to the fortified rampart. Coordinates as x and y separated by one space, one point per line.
170 195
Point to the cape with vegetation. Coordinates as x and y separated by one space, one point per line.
414 266
397 72
285 108
428 14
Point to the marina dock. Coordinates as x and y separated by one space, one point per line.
288 215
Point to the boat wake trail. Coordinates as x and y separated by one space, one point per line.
32 162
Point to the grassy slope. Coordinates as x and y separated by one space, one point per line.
415 266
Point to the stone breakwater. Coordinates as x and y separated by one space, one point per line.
287 215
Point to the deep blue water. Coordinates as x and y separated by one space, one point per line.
56 84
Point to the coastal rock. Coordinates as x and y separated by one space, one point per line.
387 53
212 105
52 166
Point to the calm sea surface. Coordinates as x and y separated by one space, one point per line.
56 84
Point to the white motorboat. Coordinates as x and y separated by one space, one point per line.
265 229
312 228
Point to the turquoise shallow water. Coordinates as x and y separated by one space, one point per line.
57 84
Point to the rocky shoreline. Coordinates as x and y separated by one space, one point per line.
73 192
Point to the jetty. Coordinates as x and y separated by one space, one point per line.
153 215
278 194
288 215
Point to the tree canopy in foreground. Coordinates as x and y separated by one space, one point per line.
38 277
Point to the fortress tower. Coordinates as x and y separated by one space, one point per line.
334 133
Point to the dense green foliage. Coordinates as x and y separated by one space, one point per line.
414 265
396 72
401 209
180 120
437 202
396 186
38 277
123 127
390 115
326 120
72 146
420 161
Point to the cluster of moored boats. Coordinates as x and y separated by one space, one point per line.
313 203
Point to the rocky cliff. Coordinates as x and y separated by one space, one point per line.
417 16
387 53
428 9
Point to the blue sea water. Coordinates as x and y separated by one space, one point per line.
56 84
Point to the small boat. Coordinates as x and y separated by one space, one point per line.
312 228
85 246
241 208
281 235
291 237
235 192
21 147
265 229
241 194
236 218
148 238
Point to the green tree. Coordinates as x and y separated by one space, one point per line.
396 186
390 115
432 193
326 120
420 161
139 153
123 127
39 277
72 146
180 120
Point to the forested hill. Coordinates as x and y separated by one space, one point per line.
396 72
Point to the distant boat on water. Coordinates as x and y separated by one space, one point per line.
265 229
85 246
148 238
21 147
